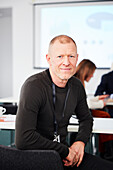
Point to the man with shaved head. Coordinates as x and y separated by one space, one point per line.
47 102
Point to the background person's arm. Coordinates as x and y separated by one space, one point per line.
102 86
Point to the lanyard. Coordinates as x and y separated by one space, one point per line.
54 100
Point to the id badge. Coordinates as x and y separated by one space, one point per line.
56 138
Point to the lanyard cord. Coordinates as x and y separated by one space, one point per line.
54 100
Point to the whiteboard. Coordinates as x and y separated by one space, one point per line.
89 24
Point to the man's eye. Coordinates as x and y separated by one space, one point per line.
60 56
71 56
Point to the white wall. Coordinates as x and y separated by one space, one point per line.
5 53
22 47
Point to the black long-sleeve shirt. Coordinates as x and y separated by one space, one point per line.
35 114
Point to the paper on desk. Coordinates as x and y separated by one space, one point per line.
109 100
7 118
73 120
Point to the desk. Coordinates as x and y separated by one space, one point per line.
7 122
109 104
7 130
101 125
9 100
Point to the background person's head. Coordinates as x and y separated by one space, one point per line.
62 58
85 70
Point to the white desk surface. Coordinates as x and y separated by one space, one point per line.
101 125
7 122
9 100
109 103
15 100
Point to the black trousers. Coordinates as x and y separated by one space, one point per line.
91 162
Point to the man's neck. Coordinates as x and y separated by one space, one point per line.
57 81
60 84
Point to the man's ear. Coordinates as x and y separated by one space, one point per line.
48 58
77 58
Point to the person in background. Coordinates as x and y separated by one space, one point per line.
48 100
84 72
106 87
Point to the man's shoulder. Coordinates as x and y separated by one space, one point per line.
37 79
75 81
36 76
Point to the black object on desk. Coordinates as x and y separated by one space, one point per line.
10 108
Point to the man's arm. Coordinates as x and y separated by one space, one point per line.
76 151
26 134
85 118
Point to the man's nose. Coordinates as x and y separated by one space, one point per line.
66 60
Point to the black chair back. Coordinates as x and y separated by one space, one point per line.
14 159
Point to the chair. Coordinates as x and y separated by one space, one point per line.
14 159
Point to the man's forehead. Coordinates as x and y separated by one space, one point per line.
59 45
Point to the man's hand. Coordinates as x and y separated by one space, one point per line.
71 159
76 153
78 147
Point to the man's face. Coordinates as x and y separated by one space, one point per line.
62 59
